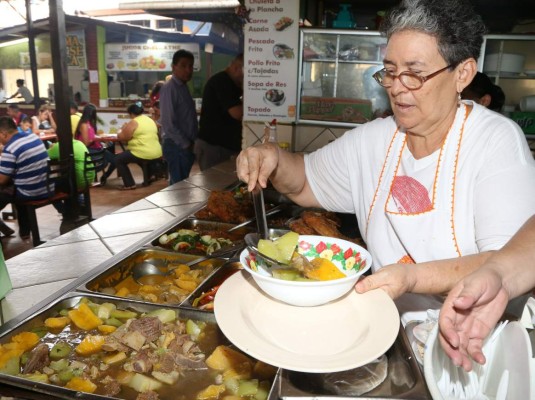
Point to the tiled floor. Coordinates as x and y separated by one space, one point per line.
104 200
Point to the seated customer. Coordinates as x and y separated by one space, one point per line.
86 132
44 121
75 116
23 168
14 112
79 151
25 125
141 133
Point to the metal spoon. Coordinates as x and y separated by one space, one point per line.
148 268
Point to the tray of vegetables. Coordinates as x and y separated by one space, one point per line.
91 347
193 236
176 283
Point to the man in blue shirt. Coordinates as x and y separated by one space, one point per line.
178 118
23 168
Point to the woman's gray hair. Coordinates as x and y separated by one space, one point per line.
458 29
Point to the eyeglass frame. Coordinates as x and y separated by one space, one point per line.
422 79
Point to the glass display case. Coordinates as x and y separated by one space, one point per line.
336 86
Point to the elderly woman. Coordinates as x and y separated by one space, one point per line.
437 186
44 121
141 133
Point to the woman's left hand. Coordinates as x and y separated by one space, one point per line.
394 279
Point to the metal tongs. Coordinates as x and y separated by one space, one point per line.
251 239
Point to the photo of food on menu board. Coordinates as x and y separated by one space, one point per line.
283 23
275 97
283 51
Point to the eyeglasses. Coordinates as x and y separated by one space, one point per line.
408 79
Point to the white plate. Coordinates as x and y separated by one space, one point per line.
337 336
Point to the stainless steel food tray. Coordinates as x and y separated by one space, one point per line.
217 278
123 269
26 389
404 379
204 226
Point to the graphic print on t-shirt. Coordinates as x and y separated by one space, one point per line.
410 195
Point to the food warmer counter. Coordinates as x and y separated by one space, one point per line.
403 379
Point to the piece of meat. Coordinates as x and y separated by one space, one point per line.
37 360
143 361
150 327
177 343
110 387
111 343
299 226
189 362
165 364
321 224
150 395
133 339
223 206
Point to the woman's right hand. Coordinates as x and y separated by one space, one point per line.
256 164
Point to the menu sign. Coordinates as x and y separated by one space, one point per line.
147 57
270 57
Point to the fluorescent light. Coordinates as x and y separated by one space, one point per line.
12 42
177 5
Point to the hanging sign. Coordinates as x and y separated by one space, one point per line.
147 57
270 60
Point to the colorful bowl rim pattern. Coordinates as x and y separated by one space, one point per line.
347 259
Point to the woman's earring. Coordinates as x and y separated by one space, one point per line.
458 99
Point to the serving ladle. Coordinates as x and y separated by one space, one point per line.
148 268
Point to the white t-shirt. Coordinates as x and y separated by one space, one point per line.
491 194
494 186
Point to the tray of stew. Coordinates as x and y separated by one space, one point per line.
172 288
91 347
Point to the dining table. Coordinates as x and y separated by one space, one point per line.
110 137
48 137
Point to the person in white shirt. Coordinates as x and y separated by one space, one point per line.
23 92
435 187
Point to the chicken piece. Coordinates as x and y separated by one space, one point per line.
299 226
321 224
326 224
224 206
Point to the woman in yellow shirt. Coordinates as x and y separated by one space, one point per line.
141 135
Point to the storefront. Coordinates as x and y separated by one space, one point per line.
112 64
